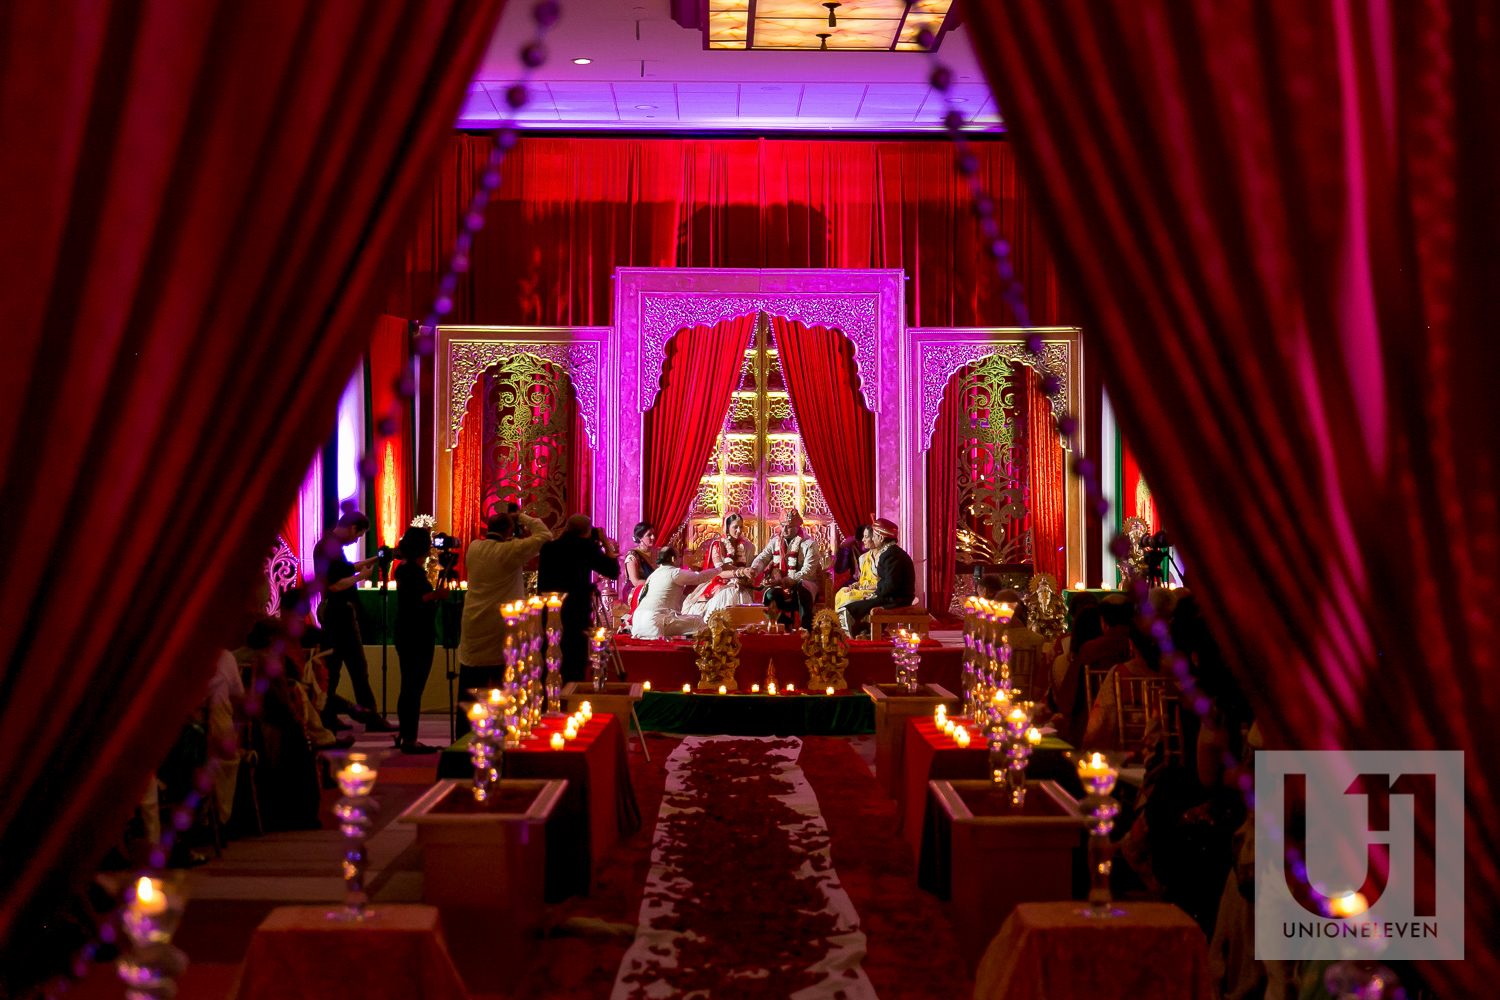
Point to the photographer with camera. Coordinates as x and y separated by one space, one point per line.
495 566
340 622
568 566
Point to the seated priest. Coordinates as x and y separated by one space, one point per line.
658 614
791 562
895 577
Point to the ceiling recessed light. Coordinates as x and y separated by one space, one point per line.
958 100
582 61
646 107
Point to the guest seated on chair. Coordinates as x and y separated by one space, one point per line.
862 587
791 561
658 614
896 577
1071 696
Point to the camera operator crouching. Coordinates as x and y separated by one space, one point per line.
495 565
567 566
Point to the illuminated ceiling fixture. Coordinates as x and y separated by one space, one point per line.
581 61
846 26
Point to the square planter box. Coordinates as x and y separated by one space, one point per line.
892 706
484 868
1002 856
618 698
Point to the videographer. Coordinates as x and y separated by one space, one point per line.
495 565
568 566
341 624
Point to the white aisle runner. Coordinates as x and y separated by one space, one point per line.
650 969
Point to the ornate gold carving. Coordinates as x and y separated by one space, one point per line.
827 650
528 402
718 649
991 499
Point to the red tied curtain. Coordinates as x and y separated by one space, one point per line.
388 352
201 205
468 475
1280 216
943 466
837 431
1045 480
698 375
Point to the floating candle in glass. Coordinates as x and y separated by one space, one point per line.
1033 735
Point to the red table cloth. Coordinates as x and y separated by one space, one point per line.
1048 950
397 953
599 806
669 664
931 754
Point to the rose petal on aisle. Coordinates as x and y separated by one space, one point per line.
742 898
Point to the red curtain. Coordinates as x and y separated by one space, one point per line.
943 465
698 375
468 474
202 205
837 431
388 352
1281 218
572 210
1045 481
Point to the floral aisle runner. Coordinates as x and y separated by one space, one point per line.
742 899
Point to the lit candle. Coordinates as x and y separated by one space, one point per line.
830 690
940 716
1033 735
150 901
791 689
1095 767
586 710
558 742
687 689
1018 714
570 733
1080 585
356 779
755 689
961 735
723 689
478 712
646 686
948 725
770 689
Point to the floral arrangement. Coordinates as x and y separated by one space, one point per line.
718 648
827 650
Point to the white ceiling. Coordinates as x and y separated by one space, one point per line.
667 81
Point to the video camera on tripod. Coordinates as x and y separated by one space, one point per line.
447 553
1155 553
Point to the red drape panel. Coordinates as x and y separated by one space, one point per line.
389 349
837 431
572 210
1281 217
1045 481
291 528
468 474
697 377
201 205
943 461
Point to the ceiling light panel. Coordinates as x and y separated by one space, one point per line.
823 25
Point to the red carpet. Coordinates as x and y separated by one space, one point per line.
912 953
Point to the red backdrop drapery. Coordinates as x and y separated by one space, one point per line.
837 430
1046 480
570 211
468 474
698 375
208 195
1281 218
388 352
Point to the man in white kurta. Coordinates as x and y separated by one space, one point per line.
791 561
658 613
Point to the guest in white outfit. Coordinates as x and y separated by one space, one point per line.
658 614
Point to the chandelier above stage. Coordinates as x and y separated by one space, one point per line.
849 26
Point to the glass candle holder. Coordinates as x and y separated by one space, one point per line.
486 720
598 661
1017 722
514 701
1098 771
356 772
150 965
536 609
554 602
